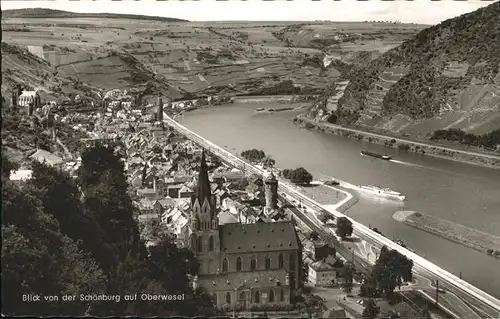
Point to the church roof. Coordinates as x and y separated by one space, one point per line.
258 237
243 280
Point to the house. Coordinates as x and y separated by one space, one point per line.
185 192
148 193
221 195
45 157
21 175
175 220
148 218
30 100
322 274
136 180
173 190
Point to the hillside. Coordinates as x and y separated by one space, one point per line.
200 58
42 13
445 77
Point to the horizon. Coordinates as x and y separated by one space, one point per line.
434 12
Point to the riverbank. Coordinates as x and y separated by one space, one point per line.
468 157
463 235
323 194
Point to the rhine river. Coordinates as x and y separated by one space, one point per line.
462 193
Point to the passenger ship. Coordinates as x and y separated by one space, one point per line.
383 192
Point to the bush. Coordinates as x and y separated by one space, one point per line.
309 126
298 176
253 155
404 147
489 252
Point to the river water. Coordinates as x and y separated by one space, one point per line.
462 193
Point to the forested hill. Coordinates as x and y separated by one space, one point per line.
447 76
49 13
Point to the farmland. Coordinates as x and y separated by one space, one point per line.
182 59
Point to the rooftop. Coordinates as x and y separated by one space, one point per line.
322 266
258 237
22 174
46 157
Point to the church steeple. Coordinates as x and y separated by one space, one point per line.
204 215
204 190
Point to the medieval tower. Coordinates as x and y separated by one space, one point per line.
159 116
271 191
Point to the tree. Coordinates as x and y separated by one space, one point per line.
268 161
108 203
344 227
314 304
298 176
38 259
323 217
314 235
369 287
60 197
390 270
253 155
371 309
347 277
7 166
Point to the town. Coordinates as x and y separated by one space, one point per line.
254 254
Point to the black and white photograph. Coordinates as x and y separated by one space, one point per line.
251 159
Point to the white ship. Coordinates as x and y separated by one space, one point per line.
383 192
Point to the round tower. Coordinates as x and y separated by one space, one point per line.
271 191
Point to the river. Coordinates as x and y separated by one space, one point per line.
466 194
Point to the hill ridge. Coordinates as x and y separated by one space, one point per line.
423 79
51 13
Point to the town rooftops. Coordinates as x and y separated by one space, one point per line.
146 191
322 266
243 280
258 237
226 217
146 217
48 158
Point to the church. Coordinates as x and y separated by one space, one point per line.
241 265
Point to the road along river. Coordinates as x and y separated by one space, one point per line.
462 193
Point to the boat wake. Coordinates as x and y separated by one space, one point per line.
407 163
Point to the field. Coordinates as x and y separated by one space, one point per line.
181 59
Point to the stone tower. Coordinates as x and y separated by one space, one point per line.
271 191
204 239
159 116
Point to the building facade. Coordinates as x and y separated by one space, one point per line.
29 100
241 265
322 274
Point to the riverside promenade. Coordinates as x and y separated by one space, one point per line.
466 300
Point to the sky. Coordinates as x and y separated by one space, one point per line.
418 11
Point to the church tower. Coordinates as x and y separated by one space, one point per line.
204 224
